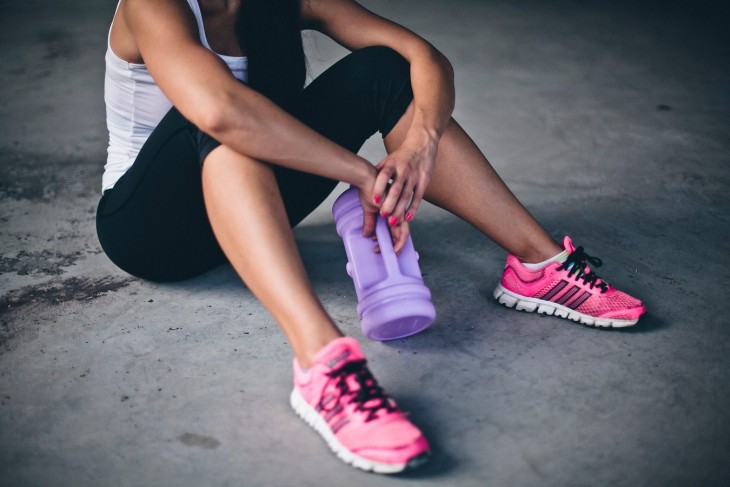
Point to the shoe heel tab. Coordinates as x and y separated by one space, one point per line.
568 244
512 261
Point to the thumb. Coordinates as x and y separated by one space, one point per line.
368 223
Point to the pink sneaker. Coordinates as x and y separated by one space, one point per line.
340 399
568 290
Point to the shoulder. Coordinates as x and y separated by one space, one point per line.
163 14
316 13
165 10
138 22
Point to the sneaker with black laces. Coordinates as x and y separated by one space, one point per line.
568 289
341 400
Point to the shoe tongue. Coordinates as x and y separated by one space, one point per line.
339 352
568 244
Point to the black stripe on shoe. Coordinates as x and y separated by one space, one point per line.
555 291
569 294
580 300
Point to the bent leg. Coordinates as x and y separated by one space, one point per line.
365 92
465 184
251 205
153 224
249 220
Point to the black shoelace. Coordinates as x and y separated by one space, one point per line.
576 264
369 396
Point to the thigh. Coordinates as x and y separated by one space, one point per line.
367 91
153 223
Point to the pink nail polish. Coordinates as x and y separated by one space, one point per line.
376 198
409 217
383 214
393 220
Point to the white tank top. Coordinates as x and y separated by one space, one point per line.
135 104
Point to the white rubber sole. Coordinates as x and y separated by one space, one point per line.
532 305
313 419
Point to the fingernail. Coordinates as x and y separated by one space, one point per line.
376 198
383 214
409 217
393 220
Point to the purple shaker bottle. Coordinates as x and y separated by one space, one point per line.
393 300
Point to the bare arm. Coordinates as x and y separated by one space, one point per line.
201 86
432 80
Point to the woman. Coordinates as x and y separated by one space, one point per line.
246 153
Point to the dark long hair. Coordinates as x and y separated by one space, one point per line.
269 32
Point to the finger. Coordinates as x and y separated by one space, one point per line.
381 183
391 199
401 236
368 223
415 203
399 212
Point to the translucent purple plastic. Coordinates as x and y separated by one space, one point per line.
393 300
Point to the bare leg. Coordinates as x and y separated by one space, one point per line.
249 220
465 184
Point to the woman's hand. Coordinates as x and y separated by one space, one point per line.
398 231
410 168
369 209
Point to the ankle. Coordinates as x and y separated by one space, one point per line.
537 257
541 253
535 252
306 351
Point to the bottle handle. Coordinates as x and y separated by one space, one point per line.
385 241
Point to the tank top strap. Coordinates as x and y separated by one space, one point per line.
109 32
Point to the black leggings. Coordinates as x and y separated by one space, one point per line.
153 223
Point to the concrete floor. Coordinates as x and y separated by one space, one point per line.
608 119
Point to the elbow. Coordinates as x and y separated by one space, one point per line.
445 64
450 70
435 58
220 114
213 117
236 118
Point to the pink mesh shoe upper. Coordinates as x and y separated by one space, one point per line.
365 420
577 288
613 304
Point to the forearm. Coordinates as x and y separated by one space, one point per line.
432 80
252 125
406 172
